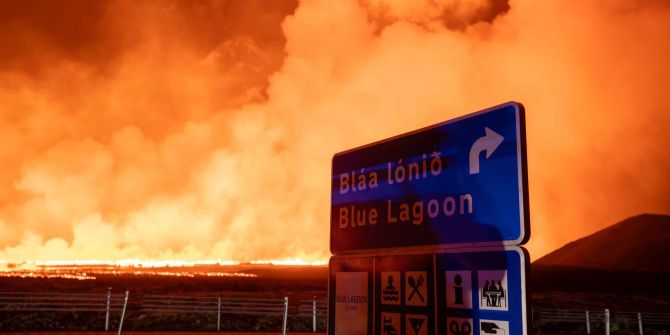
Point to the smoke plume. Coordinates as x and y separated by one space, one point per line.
183 129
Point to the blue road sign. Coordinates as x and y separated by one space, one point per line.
484 290
459 183
474 291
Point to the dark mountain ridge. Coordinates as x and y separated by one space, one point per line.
637 244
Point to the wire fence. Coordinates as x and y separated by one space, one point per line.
84 302
120 307
600 321
114 308
317 310
218 306
107 303
212 305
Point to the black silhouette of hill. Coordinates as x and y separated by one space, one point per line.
629 257
639 243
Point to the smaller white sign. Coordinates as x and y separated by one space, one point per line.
493 327
493 292
459 326
391 288
416 283
351 303
459 289
390 323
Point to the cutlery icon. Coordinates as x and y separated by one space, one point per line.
415 285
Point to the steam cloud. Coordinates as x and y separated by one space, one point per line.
204 129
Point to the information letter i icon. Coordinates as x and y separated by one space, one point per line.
459 289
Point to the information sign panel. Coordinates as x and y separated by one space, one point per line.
458 183
478 291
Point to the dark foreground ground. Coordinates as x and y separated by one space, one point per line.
299 283
172 333
552 289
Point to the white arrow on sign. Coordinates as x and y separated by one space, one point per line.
489 142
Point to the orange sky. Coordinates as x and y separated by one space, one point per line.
204 129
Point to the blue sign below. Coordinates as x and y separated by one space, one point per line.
484 290
476 291
459 183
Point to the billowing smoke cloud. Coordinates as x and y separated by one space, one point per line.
204 130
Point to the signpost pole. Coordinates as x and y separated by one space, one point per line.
639 322
607 321
588 323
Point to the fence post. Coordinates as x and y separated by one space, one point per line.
588 323
283 331
123 312
639 321
218 316
607 321
109 302
314 315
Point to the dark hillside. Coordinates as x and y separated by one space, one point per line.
637 244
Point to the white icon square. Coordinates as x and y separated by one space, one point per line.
390 323
493 291
416 283
459 326
390 288
493 327
416 324
459 289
